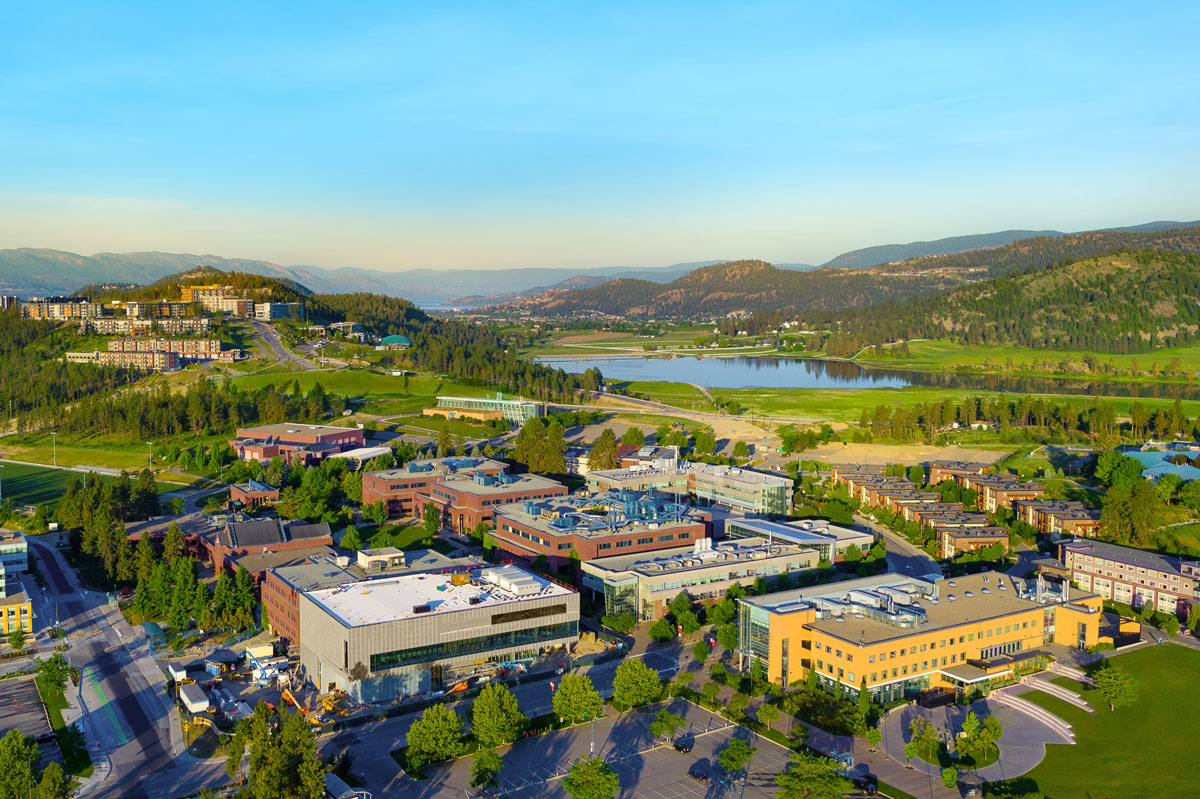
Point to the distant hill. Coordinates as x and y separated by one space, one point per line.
891 253
37 271
821 296
1119 302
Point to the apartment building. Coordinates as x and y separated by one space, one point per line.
14 552
234 306
405 491
147 361
597 526
269 311
193 294
61 308
154 309
941 471
1056 518
1132 576
190 349
143 327
900 636
1000 491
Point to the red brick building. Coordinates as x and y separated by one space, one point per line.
405 491
262 536
302 443
251 494
465 502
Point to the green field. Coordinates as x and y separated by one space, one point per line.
847 405
33 485
1139 751
943 353
457 427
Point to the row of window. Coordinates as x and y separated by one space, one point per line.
627 542
914 649
473 646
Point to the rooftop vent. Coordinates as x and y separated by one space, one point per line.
968 593
951 597
951 583
987 590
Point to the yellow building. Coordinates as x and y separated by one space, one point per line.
903 635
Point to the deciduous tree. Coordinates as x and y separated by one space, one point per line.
495 716
635 683
812 777
436 736
591 778
576 698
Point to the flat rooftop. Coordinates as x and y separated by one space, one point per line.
448 465
285 429
803 532
1129 555
322 571
519 482
397 598
728 474
600 516
843 608
733 553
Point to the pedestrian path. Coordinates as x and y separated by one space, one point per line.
1059 692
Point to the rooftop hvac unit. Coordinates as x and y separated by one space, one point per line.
342 561
460 578
475 600
422 609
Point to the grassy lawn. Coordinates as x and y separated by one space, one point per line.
1138 751
80 765
654 420
942 353
1184 539
847 405
33 485
457 427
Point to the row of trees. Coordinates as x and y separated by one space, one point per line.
169 587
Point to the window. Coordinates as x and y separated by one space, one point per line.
820 664
646 540
850 676
532 636
904 669
895 672
922 647
943 661
682 536
623 544
838 653
874 676
565 546
604 546
871 659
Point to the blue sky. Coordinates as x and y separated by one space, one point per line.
401 135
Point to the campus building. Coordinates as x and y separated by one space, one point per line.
642 584
251 494
405 491
305 443
14 552
743 489
282 586
903 635
229 544
16 611
1132 576
597 526
829 541
517 411
464 502
400 636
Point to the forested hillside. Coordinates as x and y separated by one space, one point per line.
823 295
1121 303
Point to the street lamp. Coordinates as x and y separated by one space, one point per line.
150 455
54 447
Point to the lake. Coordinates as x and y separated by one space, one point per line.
746 372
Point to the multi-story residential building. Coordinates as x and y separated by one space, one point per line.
16 611
941 471
1132 576
149 361
830 541
405 491
144 327
897 636
517 411
8 301
419 632
190 349
234 306
1000 491
268 311
597 526
283 585
14 552
192 294
136 309
1056 518
304 443
465 502
953 540
642 584
744 489
61 308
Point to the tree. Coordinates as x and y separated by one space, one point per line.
591 778
679 603
351 540
911 750
923 735
874 737
737 704
16 639
970 728
666 723
950 776
436 736
577 698
485 770
741 450
634 436
172 543
1115 685
727 636
635 683
736 755
19 758
864 699
711 690
143 558
603 454
706 443
662 631
688 620
495 717
812 777
53 784
433 519
54 672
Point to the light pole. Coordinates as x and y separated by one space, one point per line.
150 455
54 448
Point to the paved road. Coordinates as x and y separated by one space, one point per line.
275 347
130 725
902 556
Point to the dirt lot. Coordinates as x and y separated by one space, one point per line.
899 453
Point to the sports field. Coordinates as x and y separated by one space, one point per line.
33 485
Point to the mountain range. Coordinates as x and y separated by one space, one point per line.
27 271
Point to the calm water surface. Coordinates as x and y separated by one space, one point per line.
745 372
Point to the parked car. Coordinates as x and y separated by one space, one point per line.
866 784
684 745
697 773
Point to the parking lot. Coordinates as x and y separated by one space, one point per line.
533 768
